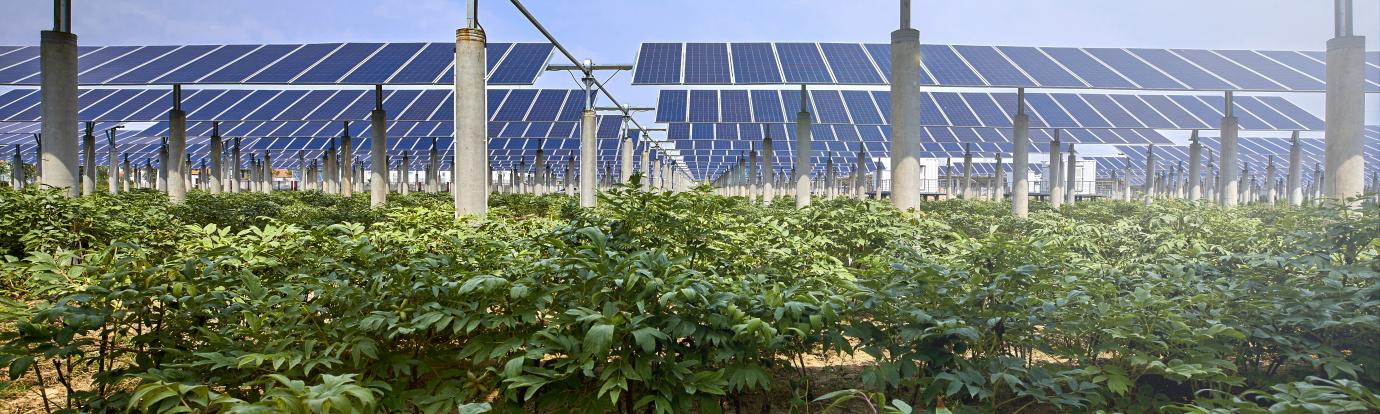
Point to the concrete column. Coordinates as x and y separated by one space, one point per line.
905 121
1243 191
1270 180
645 164
302 175
831 183
163 167
1345 116
88 151
539 172
1195 152
967 189
803 148
235 167
433 170
267 172
1228 183
1295 175
860 174
877 182
1020 160
570 176
177 149
58 89
1071 184
378 152
331 167
1054 173
768 170
217 160
150 175
1150 174
186 166
999 184
404 178
625 155
753 176
471 116
17 176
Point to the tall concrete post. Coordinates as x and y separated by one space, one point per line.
302 174
163 167
539 172
860 174
803 150
905 123
1228 182
88 150
58 104
17 170
378 152
346 171
331 167
1150 173
268 172
217 160
177 149
1270 180
1345 112
404 176
589 148
644 165
625 154
1020 159
1054 172
433 169
753 175
471 116
1210 178
1071 184
999 184
1195 152
570 176
1243 191
768 170
1295 177
235 167
126 182
967 189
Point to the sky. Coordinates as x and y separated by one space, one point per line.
609 31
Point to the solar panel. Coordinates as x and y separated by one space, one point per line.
427 65
706 63
1040 67
947 67
103 73
162 65
735 106
1090 70
522 65
995 68
754 63
1185 72
829 106
1081 111
850 63
861 107
672 106
766 107
204 65
802 63
1284 75
381 66
955 109
1134 69
704 106
658 63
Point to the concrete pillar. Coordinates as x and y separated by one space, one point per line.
331 167
163 167
1150 174
126 180
217 150
803 148
150 175
570 176
1243 191
589 150
539 171
1228 182
1345 112
860 174
267 172
471 120
177 149
1071 183
967 187
831 184
405 173
378 152
88 150
754 176
625 157
17 175
905 121
768 170
58 104
1054 173
235 167
186 173
999 184
1295 175
1195 152
433 170
1210 179
1020 159
1270 180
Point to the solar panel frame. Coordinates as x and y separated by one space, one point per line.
1133 68
994 67
802 63
1090 70
664 59
850 64
1185 72
383 64
948 67
707 64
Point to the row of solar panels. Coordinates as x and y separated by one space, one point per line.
999 66
745 134
148 105
1253 150
284 152
977 109
304 64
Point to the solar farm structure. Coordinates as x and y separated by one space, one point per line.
903 120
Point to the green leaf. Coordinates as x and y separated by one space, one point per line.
598 339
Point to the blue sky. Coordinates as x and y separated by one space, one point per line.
610 30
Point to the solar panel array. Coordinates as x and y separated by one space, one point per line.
989 66
977 109
1253 150
296 64
707 157
150 105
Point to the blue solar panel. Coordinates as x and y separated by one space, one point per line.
861 107
766 107
124 63
161 65
1136 70
993 66
361 106
1299 115
206 64
1142 111
426 67
754 63
1080 111
100 108
380 67
574 107
427 104
1210 114
658 63
947 67
1180 69
522 65
930 113
883 100
339 63
251 63
701 131
706 63
1280 73
126 110
1040 67
1090 70
1173 112
1112 112
333 106
802 63
704 106
1049 111
850 64
276 105
493 53
955 110
10 55
1265 113
395 102
829 107
987 110
196 99
95 58
302 108
547 105
1238 75
790 101
293 64
515 107
734 106
726 131
672 106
